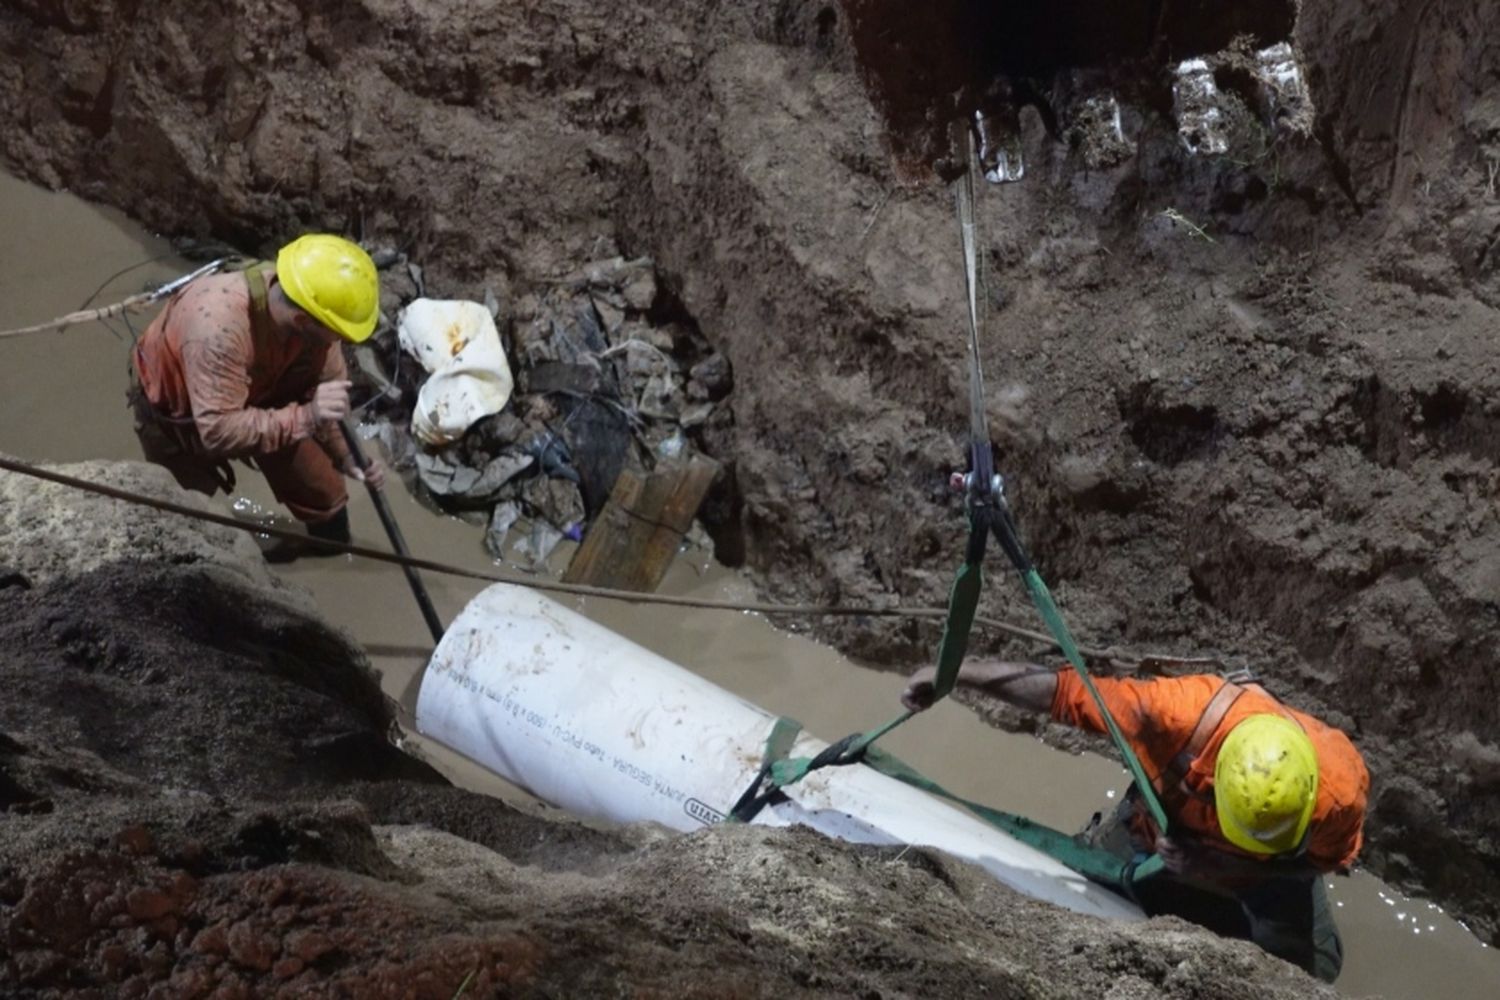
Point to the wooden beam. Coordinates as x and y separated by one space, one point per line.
631 543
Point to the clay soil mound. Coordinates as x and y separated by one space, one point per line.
1247 404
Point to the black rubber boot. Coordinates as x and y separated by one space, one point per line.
335 529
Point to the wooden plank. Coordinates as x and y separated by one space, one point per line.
673 520
607 541
632 542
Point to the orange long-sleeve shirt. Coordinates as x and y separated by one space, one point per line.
244 390
1158 715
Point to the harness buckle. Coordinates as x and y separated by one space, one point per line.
1241 676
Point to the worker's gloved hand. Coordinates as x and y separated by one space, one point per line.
918 694
330 401
374 474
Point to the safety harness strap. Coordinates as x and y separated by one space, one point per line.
260 302
1218 706
1174 784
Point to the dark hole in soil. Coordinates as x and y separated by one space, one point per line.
827 18
1395 428
1176 434
1382 435
11 792
1236 192
265 841
926 64
1443 407
722 516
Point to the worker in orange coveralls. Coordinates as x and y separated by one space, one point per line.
247 365
1262 800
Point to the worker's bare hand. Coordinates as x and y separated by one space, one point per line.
918 694
1173 855
330 401
373 474
1189 858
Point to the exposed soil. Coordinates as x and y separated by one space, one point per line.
198 798
1270 434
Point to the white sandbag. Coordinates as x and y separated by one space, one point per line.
588 720
457 342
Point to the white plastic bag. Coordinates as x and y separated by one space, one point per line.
457 342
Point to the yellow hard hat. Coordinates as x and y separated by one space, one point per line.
1265 784
332 280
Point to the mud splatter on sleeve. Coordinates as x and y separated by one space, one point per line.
1156 715
216 365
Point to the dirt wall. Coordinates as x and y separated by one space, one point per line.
1267 434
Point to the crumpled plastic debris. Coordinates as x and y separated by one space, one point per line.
1097 131
1283 93
538 546
597 373
458 343
552 455
465 486
445 477
1000 147
556 501
1201 124
501 519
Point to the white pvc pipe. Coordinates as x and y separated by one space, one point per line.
586 719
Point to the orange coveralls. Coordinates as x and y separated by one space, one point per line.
1286 916
215 379
1156 717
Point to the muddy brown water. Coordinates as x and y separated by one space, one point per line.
63 400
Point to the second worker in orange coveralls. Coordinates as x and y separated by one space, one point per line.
247 365
1263 800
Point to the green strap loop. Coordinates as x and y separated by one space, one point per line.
1042 598
784 770
783 735
778 744
789 772
1094 863
963 602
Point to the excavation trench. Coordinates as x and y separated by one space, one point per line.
1240 395
1397 947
